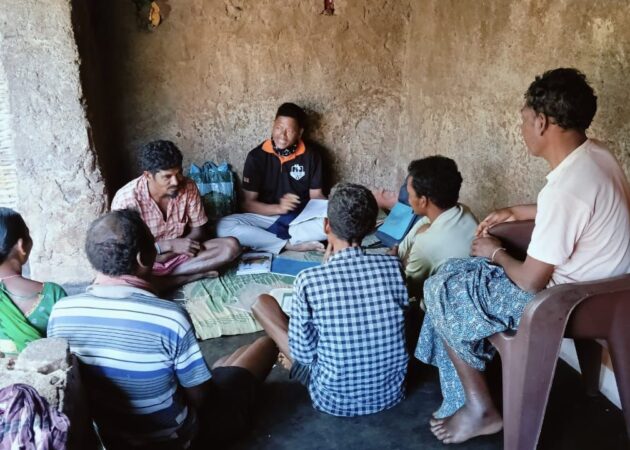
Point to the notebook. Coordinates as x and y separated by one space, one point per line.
254 262
291 266
397 224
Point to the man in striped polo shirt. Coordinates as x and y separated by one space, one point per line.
146 379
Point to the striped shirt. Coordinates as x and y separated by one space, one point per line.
347 324
137 352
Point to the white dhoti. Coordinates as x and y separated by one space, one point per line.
251 230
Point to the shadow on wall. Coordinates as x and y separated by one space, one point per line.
330 173
91 19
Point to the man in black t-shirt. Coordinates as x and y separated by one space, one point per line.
280 176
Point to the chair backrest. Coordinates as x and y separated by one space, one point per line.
514 236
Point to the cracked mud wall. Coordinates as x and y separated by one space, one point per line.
468 65
213 74
59 188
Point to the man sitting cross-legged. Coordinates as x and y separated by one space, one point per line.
280 176
581 234
147 382
171 206
345 339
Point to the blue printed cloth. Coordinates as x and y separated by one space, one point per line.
347 324
467 301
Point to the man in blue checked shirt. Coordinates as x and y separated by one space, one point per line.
346 337
146 379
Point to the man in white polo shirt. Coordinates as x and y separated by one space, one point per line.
582 233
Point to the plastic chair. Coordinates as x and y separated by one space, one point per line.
582 311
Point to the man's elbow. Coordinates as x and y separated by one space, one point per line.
532 286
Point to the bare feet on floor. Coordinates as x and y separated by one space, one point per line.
466 424
306 246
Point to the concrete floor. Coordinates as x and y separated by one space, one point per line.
286 419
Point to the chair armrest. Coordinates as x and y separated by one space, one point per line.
552 307
545 318
514 236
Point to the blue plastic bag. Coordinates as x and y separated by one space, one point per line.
216 186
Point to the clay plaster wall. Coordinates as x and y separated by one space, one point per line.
59 189
212 75
468 65
385 81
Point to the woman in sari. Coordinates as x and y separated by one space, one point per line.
25 304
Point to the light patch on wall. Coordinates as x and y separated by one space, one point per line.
603 32
8 176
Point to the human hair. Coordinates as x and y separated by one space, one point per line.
160 155
114 240
565 96
294 111
12 229
352 212
437 178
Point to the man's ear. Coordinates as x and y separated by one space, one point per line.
148 175
541 123
301 132
327 228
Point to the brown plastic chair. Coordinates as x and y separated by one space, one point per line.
583 311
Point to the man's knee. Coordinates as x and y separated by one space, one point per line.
232 247
264 306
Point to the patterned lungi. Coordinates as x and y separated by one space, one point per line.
467 300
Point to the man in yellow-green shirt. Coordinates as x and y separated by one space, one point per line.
446 229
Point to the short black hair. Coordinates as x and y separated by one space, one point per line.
12 229
352 212
160 155
114 240
294 111
565 96
437 178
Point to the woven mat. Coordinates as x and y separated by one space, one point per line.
220 306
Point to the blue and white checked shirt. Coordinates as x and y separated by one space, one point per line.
347 324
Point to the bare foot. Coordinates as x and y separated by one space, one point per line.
385 199
306 247
165 284
284 361
466 424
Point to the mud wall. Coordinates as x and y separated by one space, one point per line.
59 188
468 65
212 75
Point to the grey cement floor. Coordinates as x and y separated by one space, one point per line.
286 419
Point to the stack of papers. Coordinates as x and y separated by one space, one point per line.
314 209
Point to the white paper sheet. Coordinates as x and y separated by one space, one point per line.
316 208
